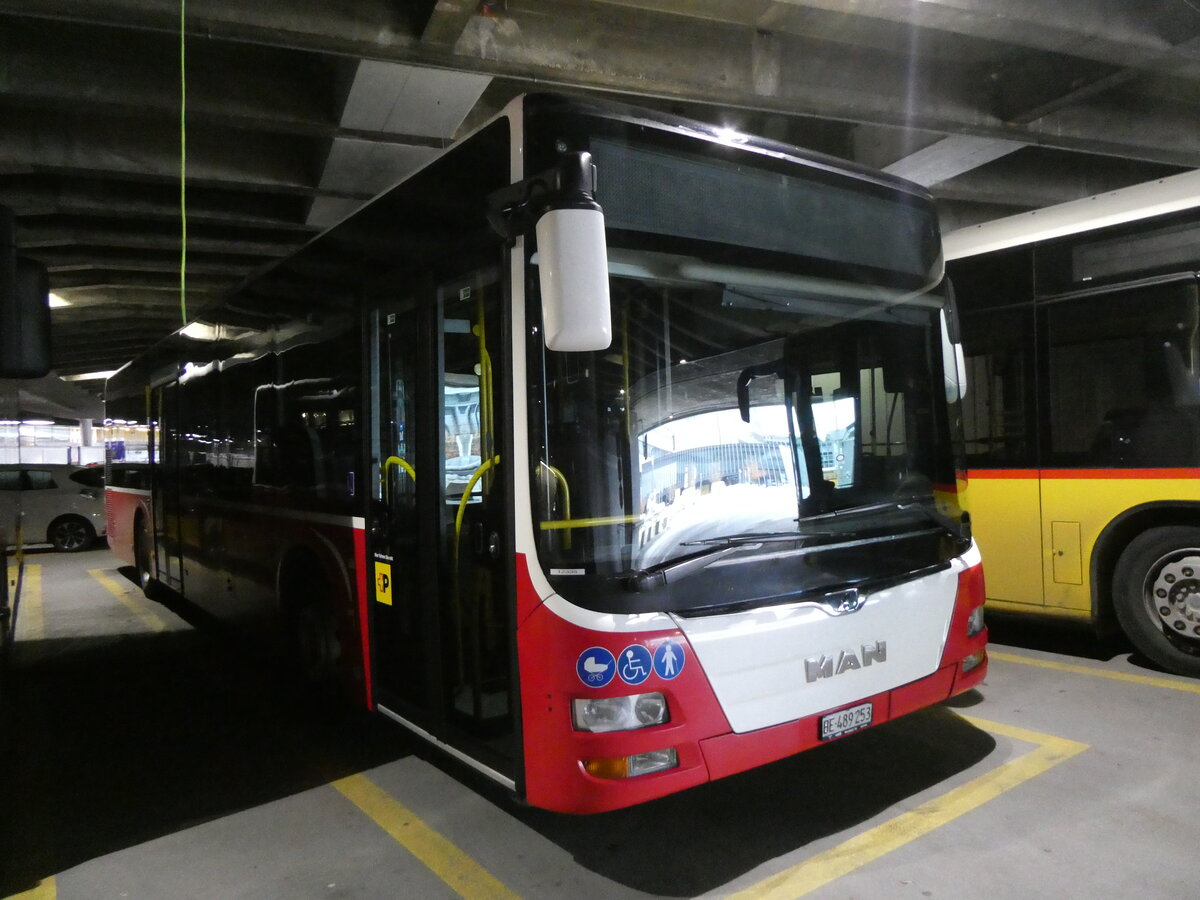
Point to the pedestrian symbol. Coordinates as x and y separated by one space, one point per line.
596 667
635 664
668 660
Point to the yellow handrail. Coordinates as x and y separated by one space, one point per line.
388 464
462 503
562 480
559 524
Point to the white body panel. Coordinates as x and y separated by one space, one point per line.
755 660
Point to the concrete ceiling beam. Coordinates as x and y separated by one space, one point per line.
122 284
36 195
62 261
1108 31
37 235
447 21
663 53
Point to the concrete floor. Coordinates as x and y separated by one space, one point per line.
145 758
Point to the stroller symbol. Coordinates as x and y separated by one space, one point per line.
596 667
595 671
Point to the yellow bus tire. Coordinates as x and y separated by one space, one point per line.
1156 596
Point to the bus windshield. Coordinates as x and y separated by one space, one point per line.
774 386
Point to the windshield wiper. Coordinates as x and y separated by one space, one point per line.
672 570
761 537
681 566
960 529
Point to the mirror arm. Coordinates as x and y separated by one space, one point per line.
514 210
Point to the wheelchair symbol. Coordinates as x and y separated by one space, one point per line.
635 664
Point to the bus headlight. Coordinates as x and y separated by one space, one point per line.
975 623
620 713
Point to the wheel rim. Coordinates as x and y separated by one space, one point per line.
70 535
1172 596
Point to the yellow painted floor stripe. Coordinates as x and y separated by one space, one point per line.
1149 680
870 845
130 600
31 620
45 890
461 873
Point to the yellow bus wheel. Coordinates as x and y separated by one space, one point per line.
1156 596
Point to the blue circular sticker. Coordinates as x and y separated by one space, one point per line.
668 660
595 667
635 664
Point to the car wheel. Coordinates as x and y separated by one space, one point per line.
1156 595
70 534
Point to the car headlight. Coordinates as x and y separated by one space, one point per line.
619 713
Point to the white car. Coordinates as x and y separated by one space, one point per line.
62 505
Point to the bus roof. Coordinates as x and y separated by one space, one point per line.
1165 195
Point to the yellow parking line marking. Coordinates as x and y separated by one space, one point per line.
461 873
125 594
31 619
46 890
870 845
1149 680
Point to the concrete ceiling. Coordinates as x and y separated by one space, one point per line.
297 111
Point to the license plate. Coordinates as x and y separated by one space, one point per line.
845 721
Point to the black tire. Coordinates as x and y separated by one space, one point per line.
71 534
141 556
314 643
1156 595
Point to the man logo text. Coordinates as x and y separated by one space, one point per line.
823 666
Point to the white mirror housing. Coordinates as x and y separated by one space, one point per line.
573 273
954 365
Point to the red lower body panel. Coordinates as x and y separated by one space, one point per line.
554 654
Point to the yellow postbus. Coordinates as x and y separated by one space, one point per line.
1081 333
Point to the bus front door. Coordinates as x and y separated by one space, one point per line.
403 621
441 619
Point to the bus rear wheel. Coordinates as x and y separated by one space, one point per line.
1156 595
141 556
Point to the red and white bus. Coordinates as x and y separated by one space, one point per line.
610 452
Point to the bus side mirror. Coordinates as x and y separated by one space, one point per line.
573 272
572 256
24 309
954 365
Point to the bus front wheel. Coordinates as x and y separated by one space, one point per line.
1156 595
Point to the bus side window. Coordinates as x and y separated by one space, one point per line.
1120 390
999 413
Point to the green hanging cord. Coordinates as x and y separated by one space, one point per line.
182 167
